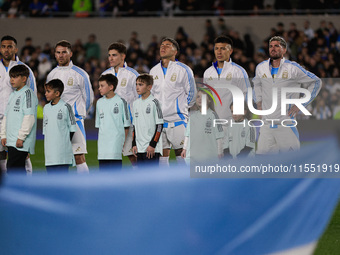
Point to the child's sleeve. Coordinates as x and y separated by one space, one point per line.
26 126
226 140
159 123
251 137
133 119
71 120
3 128
97 122
134 136
29 107
44 121
126 117
158 115
219 133
156 136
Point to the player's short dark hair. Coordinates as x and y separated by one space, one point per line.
9 38
146 78
280 40
120 47
110 80
174 42
19 70
64 43
224 39
56 85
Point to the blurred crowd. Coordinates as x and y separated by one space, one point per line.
317 49
86 8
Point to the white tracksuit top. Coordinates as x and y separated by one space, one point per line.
176 91
126 87
290 74
232 74
5 84
78 90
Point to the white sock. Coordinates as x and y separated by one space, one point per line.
28 166
164 161
3 165
180 160
82 168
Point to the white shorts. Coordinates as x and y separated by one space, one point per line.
173 136
127 149
277 139
79 140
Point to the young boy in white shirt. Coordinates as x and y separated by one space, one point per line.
113 121
59 126
18 127
147 122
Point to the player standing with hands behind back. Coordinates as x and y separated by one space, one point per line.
174 87
78 93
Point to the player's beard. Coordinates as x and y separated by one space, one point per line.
275 56
9 57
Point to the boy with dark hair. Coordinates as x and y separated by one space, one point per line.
147 122
18 127
9 50
59 125
113 121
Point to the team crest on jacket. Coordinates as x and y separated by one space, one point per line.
148 109
229 76
70 81
156 77
264 76
173 77
123 83
18 101
116 109
60 115
285 75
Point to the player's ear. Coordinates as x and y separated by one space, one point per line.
25 78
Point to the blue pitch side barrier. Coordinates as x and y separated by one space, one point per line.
154 211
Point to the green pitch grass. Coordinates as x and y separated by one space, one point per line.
38 160
329 244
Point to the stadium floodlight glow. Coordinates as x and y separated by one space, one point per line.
238 100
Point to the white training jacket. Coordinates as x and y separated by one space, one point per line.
78 90
126 87
176 91
5 84
232 74
290 74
